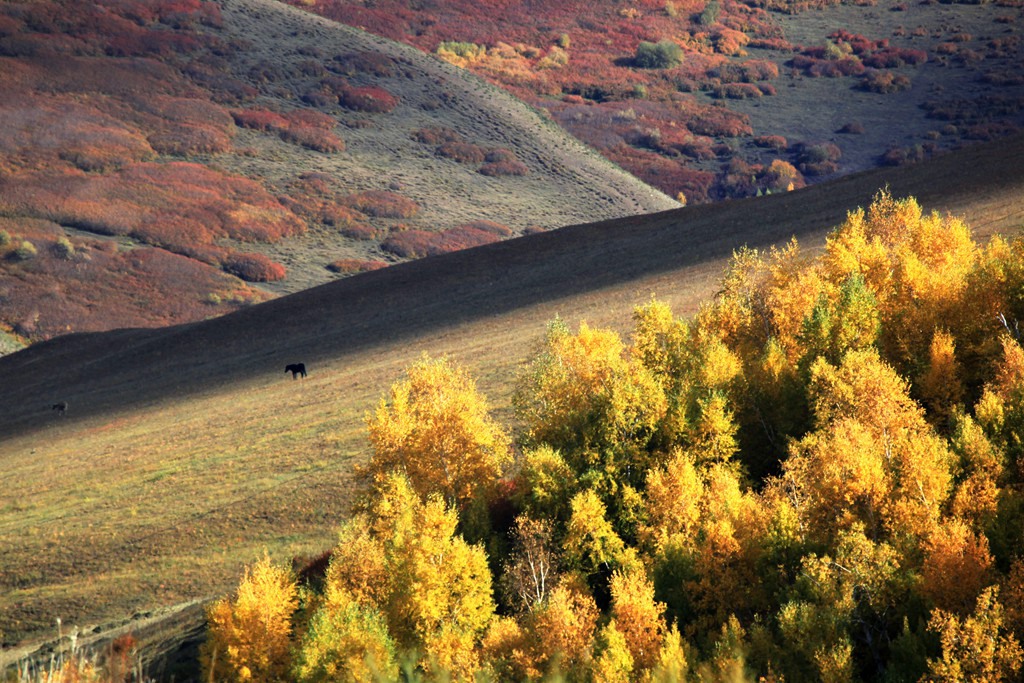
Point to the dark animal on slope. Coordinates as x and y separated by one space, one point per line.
296 369
61 408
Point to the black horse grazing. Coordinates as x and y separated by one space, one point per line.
61 408
296 369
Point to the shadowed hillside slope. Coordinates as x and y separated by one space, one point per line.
683 250
186 451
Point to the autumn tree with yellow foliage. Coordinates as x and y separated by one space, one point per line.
435 427
820 476
249 635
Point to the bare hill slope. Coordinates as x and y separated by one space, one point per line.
187 451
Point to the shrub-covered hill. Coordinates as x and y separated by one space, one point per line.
187 451
730 98
156 157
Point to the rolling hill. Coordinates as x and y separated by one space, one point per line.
228 152
165 162
233 151
711 97
187 452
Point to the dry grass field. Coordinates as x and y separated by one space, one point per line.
187 451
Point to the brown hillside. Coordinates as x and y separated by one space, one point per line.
187 451
747 95
153 153
573 272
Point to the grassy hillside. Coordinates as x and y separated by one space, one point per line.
155 147
727 98
235 150
187 451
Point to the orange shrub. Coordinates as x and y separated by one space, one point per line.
370 99
305 118
719 122
504 168
883 82
419 243
776 142
745 72
176 205
482 227
502 162
184 125
259 119
829 68
500 154
892 58
730 42
462 152
665 174
436 136
990 130
697 147
362 231
253 267
340 216
38 131
780 44
365 63
223 87
350 266
897 156
412 243
818 158
310 129
104 287
190 140
736 91
316 139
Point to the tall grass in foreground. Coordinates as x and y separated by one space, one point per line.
118 662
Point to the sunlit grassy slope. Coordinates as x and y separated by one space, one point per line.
187 451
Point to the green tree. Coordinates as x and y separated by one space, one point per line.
835 597
710 13
598 406
613 662
590 542
346 643
664 54
849 323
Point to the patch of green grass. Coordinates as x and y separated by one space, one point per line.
137 498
